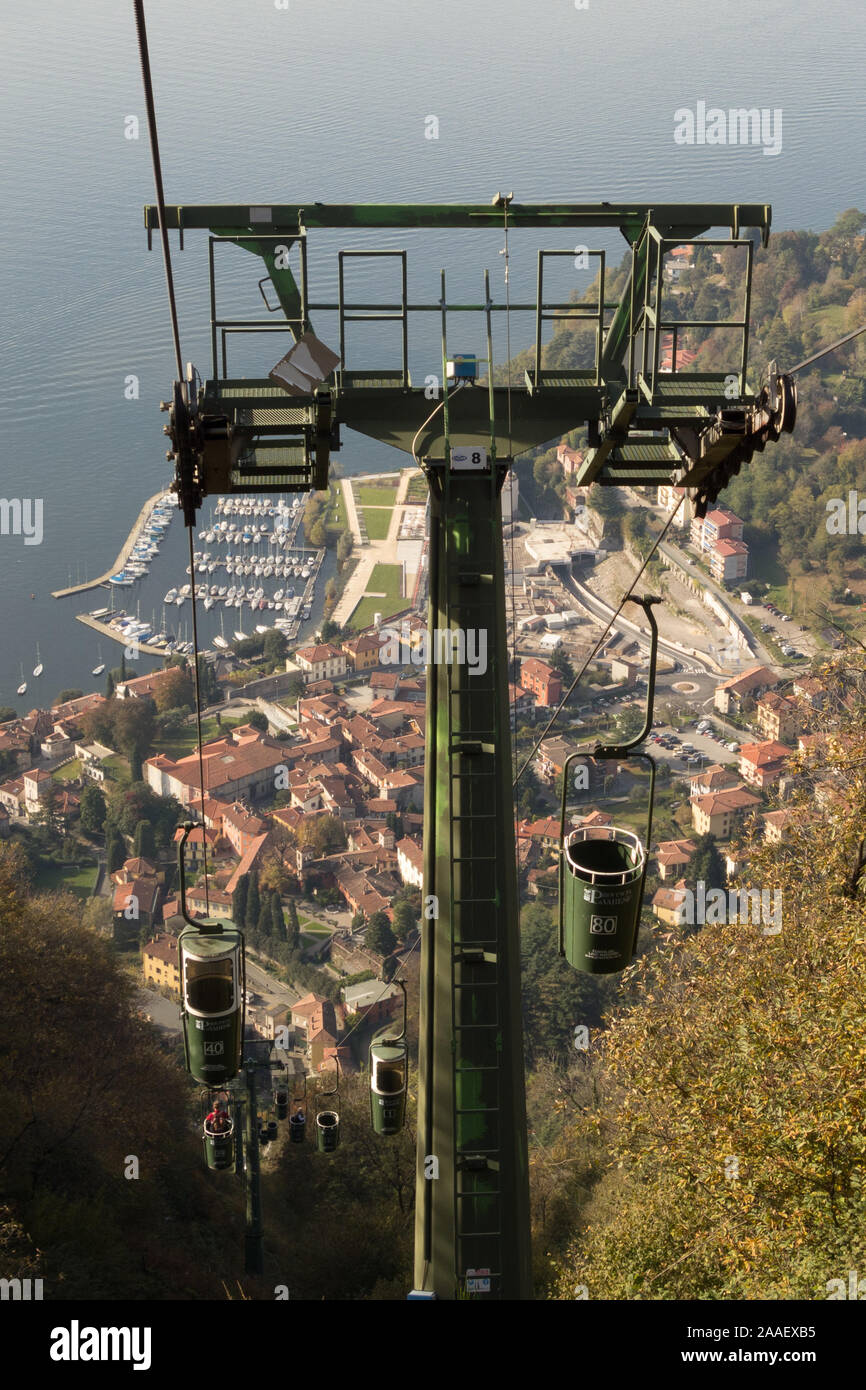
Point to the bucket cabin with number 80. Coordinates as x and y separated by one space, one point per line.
647 422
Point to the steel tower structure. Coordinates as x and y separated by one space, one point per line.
644 427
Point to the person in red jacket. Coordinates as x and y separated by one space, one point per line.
217 1121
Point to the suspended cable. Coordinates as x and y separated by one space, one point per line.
626 596
381 993
824 351
138 6
197 683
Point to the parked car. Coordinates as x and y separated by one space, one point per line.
733 747
785 618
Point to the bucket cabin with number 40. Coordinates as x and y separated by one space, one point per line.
648 421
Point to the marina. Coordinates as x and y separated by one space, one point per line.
161 499
261 573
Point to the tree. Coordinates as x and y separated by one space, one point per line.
405 919
239 901
322 834
278 922
295 687
264 922
144 845
175 690
344 547
275 646
109 686
63 697
136 770
330 631
254 905
706 864
7 713
116 851
358 921
294 930
258 720
379 937
92 811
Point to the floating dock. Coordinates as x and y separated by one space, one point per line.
122 558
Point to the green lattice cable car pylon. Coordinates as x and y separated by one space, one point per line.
602 872
212 970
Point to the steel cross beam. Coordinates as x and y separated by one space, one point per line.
643 429
678 219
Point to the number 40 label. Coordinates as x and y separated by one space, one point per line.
465 460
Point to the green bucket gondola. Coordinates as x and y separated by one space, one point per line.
212 981
602 872
297 1126
602 890
389 1075
388 1072
281 1104
219 1147
328 1120
211 971
327 1131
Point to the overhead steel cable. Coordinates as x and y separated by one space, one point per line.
824 351
626 596
138 6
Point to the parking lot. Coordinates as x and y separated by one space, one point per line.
782 628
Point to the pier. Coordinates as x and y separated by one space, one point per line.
105 631
122 557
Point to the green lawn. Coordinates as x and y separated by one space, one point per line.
387 580
384 595
366 611
117 768
56 878
69 772
377 522
312 927
376 496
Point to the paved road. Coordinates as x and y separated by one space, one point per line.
164 1013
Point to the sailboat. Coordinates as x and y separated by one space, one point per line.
22 689
98 670
37 669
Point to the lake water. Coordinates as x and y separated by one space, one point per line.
330 102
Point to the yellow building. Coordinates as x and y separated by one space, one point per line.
719 813
159 962
363 652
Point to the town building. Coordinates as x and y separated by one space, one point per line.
762 764
720 813
159 961
321 661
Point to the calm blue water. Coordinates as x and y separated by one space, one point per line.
328 101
